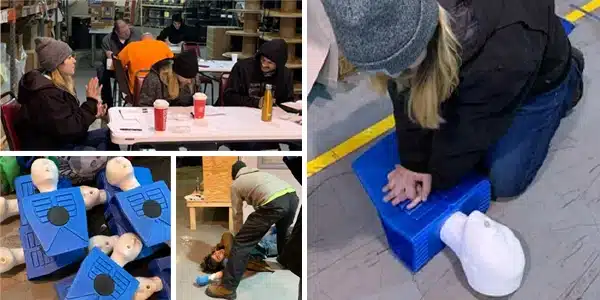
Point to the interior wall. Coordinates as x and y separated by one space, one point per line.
284 174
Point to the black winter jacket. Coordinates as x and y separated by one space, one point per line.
176 36
247 82
50 117
153 88
512 50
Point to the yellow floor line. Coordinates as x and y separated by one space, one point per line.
350 145
589 7
372 132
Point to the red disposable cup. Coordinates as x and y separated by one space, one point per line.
160 114
199 105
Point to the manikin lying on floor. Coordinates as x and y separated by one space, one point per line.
491 255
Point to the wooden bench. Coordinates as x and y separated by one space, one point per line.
193 204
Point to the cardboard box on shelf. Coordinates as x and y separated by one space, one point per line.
217 42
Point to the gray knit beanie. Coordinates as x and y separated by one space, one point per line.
51 52
382 34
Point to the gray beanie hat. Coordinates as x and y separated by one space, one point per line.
51 52
382 34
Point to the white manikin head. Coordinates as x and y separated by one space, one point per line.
491 255
92 196
127 248
119 172
44 175
147 287
7 260
105 243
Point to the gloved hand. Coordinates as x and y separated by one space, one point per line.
202 280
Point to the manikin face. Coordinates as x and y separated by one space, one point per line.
147 287
128 246
492 256
44 174
118 170
7 260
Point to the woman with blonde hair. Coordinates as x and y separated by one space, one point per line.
51 117
475 85
174 80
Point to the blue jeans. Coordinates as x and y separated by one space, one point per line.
516 158
96 140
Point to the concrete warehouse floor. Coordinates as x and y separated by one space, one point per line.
556 218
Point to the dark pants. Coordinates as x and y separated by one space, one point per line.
516 158
281 212
96 140
104 77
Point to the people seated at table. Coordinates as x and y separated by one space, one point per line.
174 80
51 117
138 56
112 44
249 77
177 32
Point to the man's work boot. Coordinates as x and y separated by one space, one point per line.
219 291
578 59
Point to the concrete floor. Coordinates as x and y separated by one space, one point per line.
192 246
556 218
14 283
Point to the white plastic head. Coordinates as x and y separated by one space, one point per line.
119 172
147 287
9 258
8 208
92 196
127 248
105 243
44 175
491 255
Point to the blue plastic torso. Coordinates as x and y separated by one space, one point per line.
94 265
413 234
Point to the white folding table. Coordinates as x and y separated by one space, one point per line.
134 125
215 66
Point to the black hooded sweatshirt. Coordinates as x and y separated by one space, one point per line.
176 36
511 51
50 117
247 81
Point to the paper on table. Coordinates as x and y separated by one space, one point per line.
130 115
213 111
293 105
131 128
